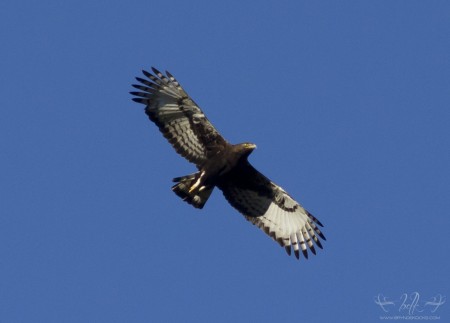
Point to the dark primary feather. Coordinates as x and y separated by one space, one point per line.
178 117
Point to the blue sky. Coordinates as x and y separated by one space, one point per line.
347 101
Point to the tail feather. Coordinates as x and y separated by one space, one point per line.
188 189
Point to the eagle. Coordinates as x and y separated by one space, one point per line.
223 165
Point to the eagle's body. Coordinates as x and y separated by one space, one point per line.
224 165
196 188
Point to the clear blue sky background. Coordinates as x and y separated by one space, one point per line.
348 102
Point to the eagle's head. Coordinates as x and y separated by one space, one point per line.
245 149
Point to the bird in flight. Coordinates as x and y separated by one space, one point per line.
223 165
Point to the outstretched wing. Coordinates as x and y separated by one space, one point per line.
178 117
270 208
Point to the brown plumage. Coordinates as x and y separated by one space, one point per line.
224 165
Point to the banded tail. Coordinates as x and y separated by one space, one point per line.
191 189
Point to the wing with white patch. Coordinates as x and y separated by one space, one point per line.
272 209
178 117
